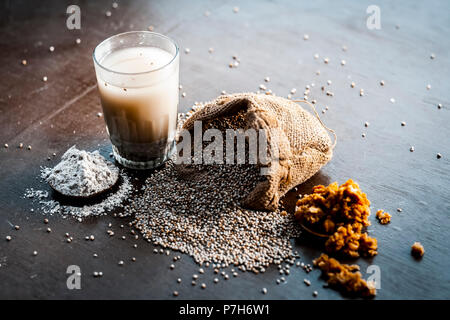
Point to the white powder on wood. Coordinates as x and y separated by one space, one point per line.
81 173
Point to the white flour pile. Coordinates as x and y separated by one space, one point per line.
81 173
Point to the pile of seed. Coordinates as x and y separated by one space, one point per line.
199 214
202 218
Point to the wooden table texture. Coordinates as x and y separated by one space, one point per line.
268 38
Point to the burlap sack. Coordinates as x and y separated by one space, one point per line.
304 145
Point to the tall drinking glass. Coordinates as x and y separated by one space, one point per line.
138 75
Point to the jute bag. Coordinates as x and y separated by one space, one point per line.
304 145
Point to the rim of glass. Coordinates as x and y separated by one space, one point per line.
136 73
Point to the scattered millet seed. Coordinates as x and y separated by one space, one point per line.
44 78
361 92
316 56
411 149
439 156
78 41
305 37
352 84
21 145
211 50
91 237
326 60
363 135
236 9
439 105
69 240
49 230
403 123
133 259
52 48
328 82
151 28
45 220
16 227
193 283
108 13
175 293
29 147
6 145
115 5
179 280
183 94
343 62
392 100
266 79
100 274
318 72
172 266
432 56
24 62
95 274
344 48
382 83
399 209
216 280
264 290
120 263
201 271
366 124
35 253
203 286
428 86
95 255
99 114
307 282
187 50
315 293
8 238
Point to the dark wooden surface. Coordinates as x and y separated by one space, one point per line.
267 36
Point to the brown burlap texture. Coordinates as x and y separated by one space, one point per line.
304 145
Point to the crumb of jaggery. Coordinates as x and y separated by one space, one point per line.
417 250
383 217
344 277
342 212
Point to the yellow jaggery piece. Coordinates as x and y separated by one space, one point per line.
383 217
341 211
344 277
417 250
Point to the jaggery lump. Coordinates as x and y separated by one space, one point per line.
344 277
417 250
383 217
342 212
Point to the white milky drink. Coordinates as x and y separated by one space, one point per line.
138 88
